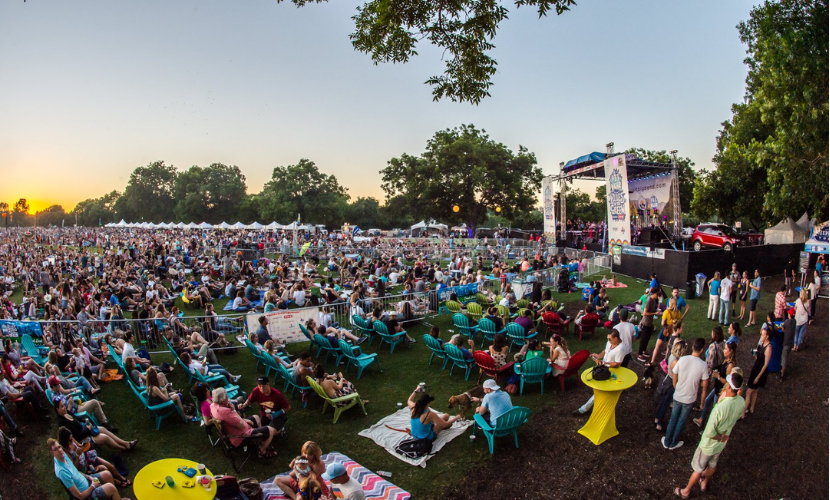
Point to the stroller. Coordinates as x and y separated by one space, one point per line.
564 282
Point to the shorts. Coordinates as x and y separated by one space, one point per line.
99 494
702 461
753 303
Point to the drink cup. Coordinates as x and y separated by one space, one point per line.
170 481
201 469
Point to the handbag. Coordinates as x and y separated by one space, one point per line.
600 372
251 488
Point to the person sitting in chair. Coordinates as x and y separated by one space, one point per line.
495 402
238 429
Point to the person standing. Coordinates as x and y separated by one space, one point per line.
754 296
788 342
789 277
814 288
758 375
725 294
688 375
743 293
714 296
802 317
780 303
612 357
647 324
715 435
735 278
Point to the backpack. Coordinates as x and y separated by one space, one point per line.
414 448
227 488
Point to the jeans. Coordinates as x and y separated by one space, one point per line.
663 405
219 369
5 414
587 406
679 415
645 336
708 404
81 383
713 307
723 317
799 334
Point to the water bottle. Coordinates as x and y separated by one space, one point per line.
384 473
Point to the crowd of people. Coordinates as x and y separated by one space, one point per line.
84 283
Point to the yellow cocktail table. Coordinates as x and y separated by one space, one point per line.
156 471
603 422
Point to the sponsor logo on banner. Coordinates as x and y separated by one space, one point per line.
460 291
657 253
284 324
16 329
619 217
548 208
617 251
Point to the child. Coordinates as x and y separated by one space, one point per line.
300 472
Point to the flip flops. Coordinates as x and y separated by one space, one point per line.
681 495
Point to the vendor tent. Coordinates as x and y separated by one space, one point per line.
238 225
205 225
785 232
254 225
223 225
274 225
193 225
121 224
806 223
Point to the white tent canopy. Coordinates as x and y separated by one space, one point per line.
806 223
121 224
274 225
254 225
238 225
192 225
785 232
223 225
205 225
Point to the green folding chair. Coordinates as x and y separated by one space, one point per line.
532 371
506 424
340 404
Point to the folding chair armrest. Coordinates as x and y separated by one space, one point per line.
479 420
345 398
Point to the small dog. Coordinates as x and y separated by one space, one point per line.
464 401
648 376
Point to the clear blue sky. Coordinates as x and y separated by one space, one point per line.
90 90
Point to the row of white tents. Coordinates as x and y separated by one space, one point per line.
204 225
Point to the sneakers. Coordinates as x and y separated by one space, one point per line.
698 422
578 412
361 340
663 442
678 445
236 378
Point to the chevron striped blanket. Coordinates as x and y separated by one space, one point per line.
374 486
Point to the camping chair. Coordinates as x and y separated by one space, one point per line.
324 345
552 326
474 311
457 357
487 366
360 360
505 425
384 335
436 348
574 364
532 371
587 327
516 335
488 330
350 400
463 324
244 450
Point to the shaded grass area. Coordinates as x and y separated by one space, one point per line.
402 371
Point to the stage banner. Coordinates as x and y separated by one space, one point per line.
548 195
283 324
616 187
16 329
650 196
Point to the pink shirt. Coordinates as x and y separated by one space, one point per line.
230 423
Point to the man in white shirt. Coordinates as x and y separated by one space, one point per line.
342 484
626 331
688 375
612 357
725 293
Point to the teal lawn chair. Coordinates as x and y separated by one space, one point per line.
363 326
532 371
457 357
390 339
83 397
360 360
255 352
289 381
324 345
308 336
32 350
488 330
340 404
516 335
463 324
474 311
505 425
159 411
436 348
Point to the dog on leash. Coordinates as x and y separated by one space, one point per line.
464 401
648 376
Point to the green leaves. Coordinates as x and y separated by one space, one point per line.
464 167
302 189
389 31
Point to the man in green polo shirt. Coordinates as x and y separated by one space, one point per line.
727 411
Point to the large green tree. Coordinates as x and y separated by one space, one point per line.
54 215
776 142
364 212
212 194
463 167
684 172
302 189
464 30
95 211
149 195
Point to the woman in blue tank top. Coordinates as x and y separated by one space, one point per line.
425 423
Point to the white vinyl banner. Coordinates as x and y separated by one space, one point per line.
650 195
619 213
548 207
283 324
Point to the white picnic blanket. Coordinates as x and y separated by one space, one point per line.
388 439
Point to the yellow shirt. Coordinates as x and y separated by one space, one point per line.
670 316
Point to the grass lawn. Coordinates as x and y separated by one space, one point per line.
401 373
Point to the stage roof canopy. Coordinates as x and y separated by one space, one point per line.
591 166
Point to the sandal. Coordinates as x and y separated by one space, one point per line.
700 483
124 483
679 494
132 444
267 454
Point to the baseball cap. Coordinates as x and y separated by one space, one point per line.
333 471
731 384
53 380
491 384
624 314
791 311
262 380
